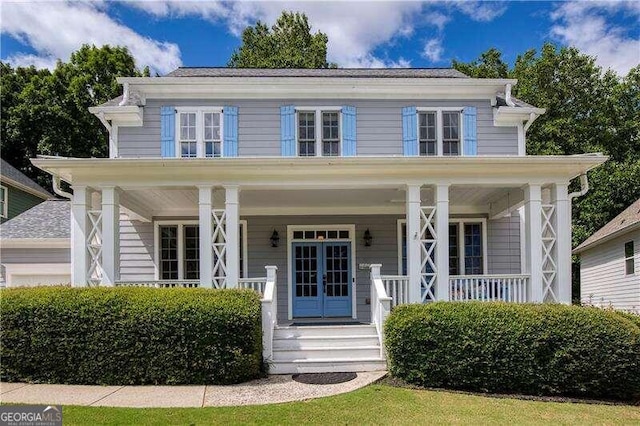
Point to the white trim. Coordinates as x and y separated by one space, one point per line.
318 110
26 269
200 147
440 130
10 182
5 202
245 248
6 243
330 227
458 221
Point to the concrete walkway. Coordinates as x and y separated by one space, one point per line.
271 390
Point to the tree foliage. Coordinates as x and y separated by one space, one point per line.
288 44
47 112
587 110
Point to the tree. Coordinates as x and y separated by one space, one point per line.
48 112
588 110
289 44
488 65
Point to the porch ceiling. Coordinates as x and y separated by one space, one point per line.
184 201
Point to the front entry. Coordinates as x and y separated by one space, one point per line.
322 279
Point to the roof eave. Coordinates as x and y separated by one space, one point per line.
582 247
25 188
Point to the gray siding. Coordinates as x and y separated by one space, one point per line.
36 255
379 126
503 245
602 275
136 250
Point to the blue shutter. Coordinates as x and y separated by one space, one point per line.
168 131
288 130
348 131
470 133
230 146
410 130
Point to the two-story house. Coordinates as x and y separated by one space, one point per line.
364 189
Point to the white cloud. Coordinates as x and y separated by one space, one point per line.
433 50
586 26
482 11
55 29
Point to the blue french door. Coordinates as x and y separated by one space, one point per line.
322 279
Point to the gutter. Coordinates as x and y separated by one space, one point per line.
584 187
58 190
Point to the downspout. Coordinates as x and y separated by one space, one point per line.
507 96
125 95
58 190
584 187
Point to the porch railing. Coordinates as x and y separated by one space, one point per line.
489 288
256 284
269 312
380 304
397 287
159 284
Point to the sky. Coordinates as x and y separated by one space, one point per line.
167 34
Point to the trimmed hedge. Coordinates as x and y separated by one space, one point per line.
118 336
537 349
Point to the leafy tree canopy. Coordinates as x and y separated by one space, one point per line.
47 112
288 44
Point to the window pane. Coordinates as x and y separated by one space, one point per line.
191 252
330 134
188 149
473 256
629 266
427 133
451 133
454 260
169 252
403 229
306 134
628 249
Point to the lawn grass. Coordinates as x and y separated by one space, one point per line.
375 404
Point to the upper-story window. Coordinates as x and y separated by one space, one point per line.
629 267
4 195
318 132
439 132
199 132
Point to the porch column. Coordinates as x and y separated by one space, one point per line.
80 204
533 228
232 240
562 225
413 243
442 241
110 235
205 224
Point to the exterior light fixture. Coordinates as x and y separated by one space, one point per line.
367 238
275 238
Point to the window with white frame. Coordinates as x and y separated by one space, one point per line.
439 131
4 200
629 266
179 250
467 246
199 132
318 132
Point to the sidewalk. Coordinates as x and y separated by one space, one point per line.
271 390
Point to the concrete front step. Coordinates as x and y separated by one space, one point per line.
327 366
326 348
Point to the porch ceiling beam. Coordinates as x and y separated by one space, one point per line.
508 203
135 209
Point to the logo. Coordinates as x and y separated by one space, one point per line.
31 415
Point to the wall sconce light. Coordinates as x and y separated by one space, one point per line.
275 238
367 238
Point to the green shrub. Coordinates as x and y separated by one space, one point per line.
531 349
130 335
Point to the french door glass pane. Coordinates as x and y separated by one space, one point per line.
337 270
454 259
473 256
169 252
192 252
306 258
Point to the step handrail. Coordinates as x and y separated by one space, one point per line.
380 304
269 312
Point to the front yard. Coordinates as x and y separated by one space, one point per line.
375 404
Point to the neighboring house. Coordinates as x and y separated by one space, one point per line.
216 173
610 263
17 192
35 246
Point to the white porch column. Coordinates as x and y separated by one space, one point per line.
205 224
413 243
533 227
560 198
442 241
110 235
79 256
233 238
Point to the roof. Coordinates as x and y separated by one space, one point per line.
627 220
50 219
16 176
318 72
